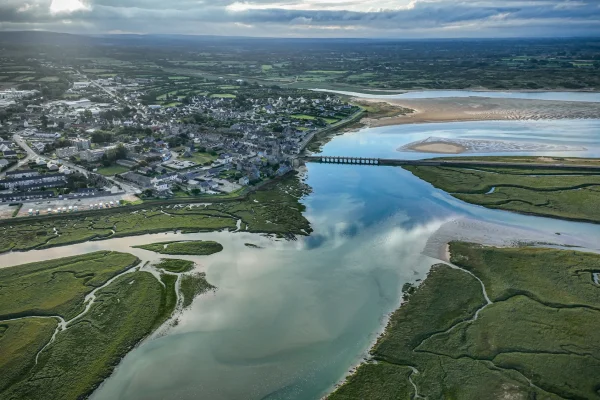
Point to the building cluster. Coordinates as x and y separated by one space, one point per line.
204 144
11 96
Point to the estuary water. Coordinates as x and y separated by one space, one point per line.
290 319
593 97
383 142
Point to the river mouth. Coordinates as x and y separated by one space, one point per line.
290 318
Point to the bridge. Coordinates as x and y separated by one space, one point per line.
458 163
343 160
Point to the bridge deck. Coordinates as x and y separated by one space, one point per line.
447 163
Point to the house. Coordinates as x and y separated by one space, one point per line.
165 178
10 154
65 170
161 186
80 85
23 196
212 185
127 163
82 144
138 179
21 173
91 155
52 167
39 147
4 163
66 152
244 181
48 180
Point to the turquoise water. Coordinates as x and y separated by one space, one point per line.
384 141
289 320
432 94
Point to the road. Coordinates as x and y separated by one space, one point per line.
30 153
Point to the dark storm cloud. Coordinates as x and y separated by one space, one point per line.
275 18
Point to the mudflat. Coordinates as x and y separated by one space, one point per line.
453 109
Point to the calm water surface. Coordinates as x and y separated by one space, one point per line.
289 320
432 94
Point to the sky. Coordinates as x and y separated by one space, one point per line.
309 18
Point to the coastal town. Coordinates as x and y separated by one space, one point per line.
98 140
408 214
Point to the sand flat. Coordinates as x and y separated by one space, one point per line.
439 147
455 109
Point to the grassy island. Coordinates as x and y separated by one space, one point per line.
129 305
175 265
567 194
537 337
192 286
189 248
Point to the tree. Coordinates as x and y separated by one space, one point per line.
102 137
120 152
44 120
195 191
86 115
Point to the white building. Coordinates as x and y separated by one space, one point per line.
80 85
66 152
91 155
82 144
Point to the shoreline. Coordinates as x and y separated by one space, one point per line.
478 89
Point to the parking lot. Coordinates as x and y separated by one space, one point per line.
42 206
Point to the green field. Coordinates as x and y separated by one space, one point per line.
200 158
567 194
303 116
191 248
541 326
112 170
223 95
175 265
49 79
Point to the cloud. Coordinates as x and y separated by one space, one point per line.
388 18
67 6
